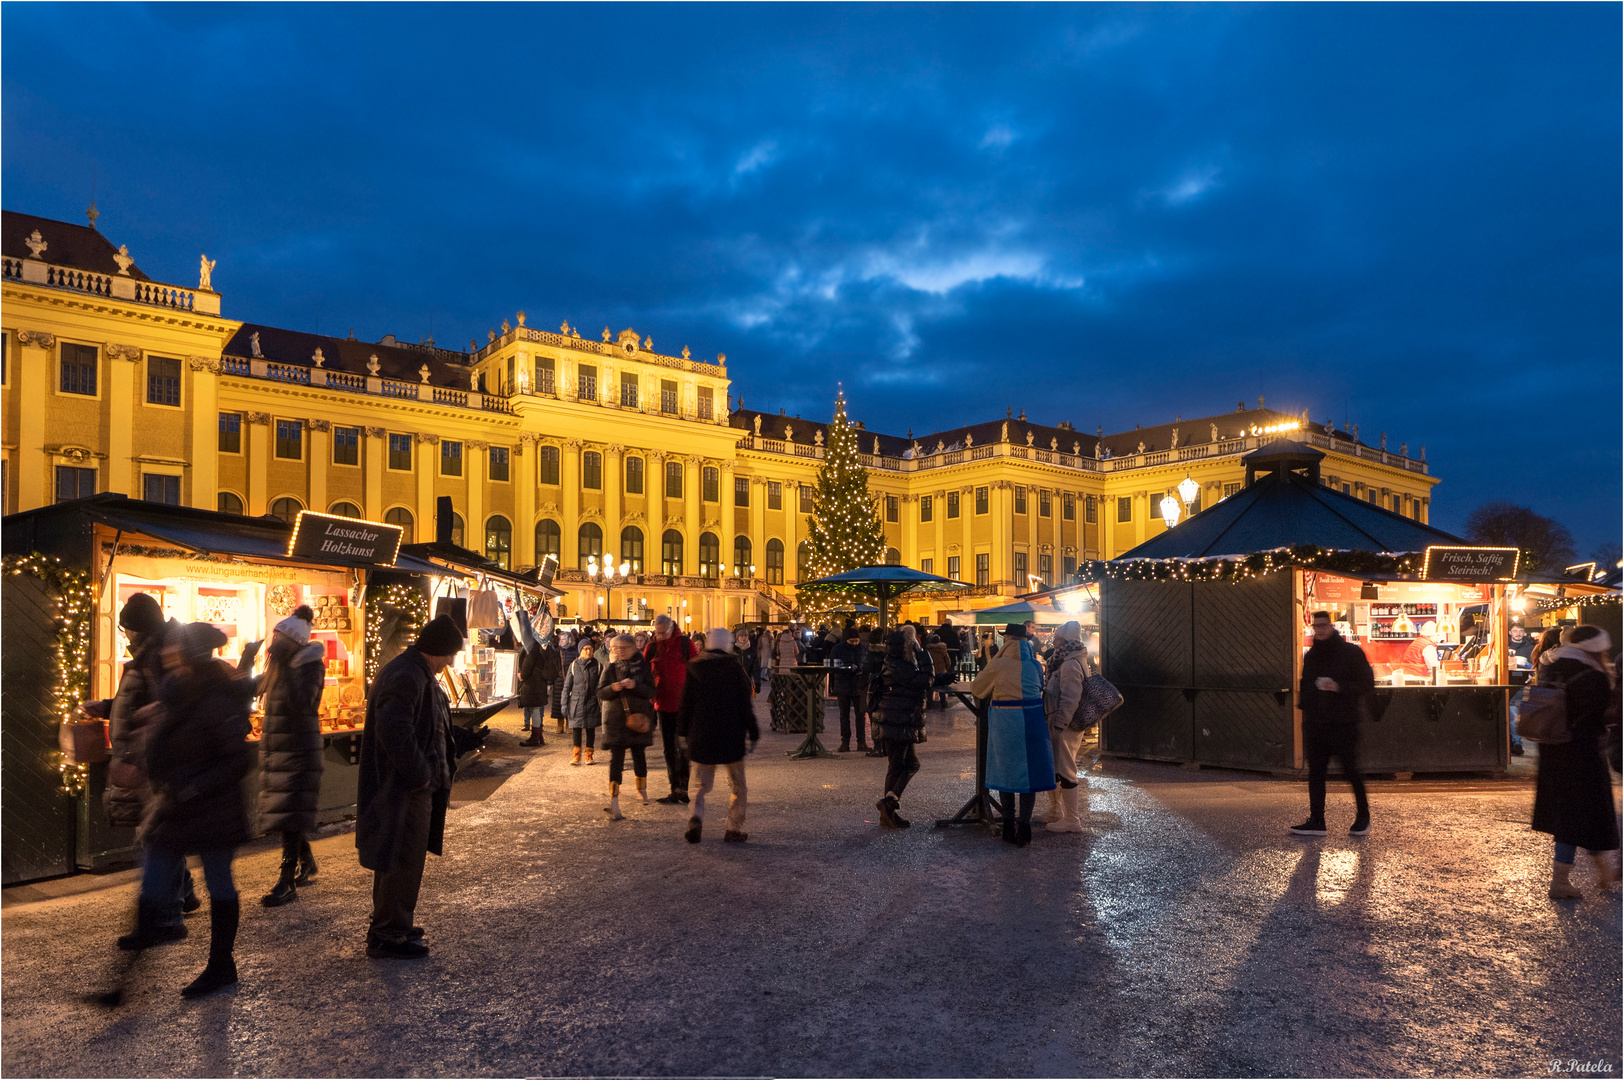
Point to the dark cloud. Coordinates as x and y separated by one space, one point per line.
1405 216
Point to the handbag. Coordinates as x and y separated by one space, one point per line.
1543 715
1100 699
83 741
639 722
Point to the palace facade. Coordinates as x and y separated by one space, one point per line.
555 442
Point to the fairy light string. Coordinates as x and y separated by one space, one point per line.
380 598
845 530
73 599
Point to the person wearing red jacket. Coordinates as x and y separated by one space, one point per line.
668 655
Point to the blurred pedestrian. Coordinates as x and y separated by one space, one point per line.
1068 670
290 747
1335 678
1573 797
581 705
898 692
404 788
714 718
941 667
1020 760
668 655
626 690
848 682
872 669
539 667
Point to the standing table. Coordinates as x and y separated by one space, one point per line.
802 702
980 810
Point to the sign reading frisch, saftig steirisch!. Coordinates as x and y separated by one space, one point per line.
332 539
1470 564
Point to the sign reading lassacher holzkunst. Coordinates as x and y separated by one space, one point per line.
1470 564
330 538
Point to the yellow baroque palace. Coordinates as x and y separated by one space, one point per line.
555 442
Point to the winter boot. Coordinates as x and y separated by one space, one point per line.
1052 813
1023 834
560 721
695 827
642 788
845 746
307 864
613 809
1606 868
1068 820
1561 887
285 891
1008 831
890 817
589 755
575 756
148 930
222 969
188 897
535 738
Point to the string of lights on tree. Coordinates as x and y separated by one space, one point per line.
1259 564
845 530
74 602
380 598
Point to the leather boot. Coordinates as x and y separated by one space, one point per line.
1561 887
1051 813
642 788
307 864
284 891
188 897
589 755
575 756
535 738
149 931
1606 869
613 809
222 968
1068 820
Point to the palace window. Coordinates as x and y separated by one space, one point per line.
927 506
402 517
673 479
981 500
287 508
953 567
983 569
227 503
163 381
634 475
1020 569
631 548
1124 508
1069 566
591 538
671 553
400 453
345 509
499 463
346 446
710 484
499 542
775 562
74 483
549 540
710 555
803 561
450 458
668 396
456 529
952 504
741 491
893 557
775 495
545 380
806 499
592 470
707 403
1230 489
628 391
290 439
547 464
743 564
231 433
586 383
1044 507
1068 507
1020 500
891 508
1046 568
1090 510
79 363
927 566
158 488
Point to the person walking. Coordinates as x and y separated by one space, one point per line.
898 693
714 719
290 748
1068 669
1336 677
582 708
539 668
626 691
1573 796
197 756
404 788
667 656
1020 758
848 682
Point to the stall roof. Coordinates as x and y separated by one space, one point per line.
262 538
467 561
1286 507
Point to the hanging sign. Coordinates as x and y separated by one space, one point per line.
330 538
1470 564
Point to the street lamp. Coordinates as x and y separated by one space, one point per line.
1188 490
1170 511
606 574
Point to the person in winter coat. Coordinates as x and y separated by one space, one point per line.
713 721
872 668
1068 669
539 668
667 656
898 695
290 749
626 689
197 755
581 703
404 788
128 792
1573 797
1336 676
848 682
1020 759
941 666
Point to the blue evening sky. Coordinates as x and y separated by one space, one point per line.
1406 216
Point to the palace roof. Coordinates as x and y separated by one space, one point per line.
77 246
396 360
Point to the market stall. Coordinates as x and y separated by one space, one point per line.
70 568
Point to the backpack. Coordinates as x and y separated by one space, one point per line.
1543 715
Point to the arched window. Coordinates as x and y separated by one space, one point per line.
631 548
227 503
671 553
893 557
287 508
499 542
549 540
547 464
775 562
803 561
457 530
741 557
345 509
402 517
591 542
710 555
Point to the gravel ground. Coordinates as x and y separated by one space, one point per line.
1184 933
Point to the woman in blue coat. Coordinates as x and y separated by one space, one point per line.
1020 759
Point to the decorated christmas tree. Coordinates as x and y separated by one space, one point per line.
844 531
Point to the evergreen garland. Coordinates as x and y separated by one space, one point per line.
1304 556
75 603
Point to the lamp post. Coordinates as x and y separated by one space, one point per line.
1170 511
606 574
1188 490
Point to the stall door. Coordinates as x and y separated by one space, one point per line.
1145 641
1241 658
36 817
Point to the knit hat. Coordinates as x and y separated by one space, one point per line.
1592 639
1015 629
198 641
720 638
141 614
440 637
295 628
1069 631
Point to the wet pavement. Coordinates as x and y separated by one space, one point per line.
1183 933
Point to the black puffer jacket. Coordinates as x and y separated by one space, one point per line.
1573 797
539 668
897 693
848 676
616 703
127 794
290 743
197 755
715 716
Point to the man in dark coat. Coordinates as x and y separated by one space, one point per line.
848 681
668 655
713 722
1336 678
405 785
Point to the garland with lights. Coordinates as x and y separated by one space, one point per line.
75 602
845 530
379 598
1258 564
1559 603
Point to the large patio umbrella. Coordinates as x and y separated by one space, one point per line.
884 583
1020 611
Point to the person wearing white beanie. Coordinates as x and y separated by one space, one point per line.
1068 670
713 721
290 746
1573 797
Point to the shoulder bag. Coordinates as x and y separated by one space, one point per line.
1543 716
1100 699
